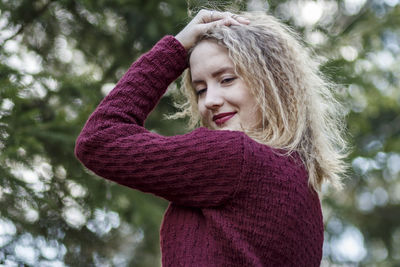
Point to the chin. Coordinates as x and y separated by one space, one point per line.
228 127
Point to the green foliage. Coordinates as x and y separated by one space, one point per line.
59 58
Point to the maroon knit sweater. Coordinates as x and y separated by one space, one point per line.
233 201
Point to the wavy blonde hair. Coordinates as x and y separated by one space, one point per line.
300 113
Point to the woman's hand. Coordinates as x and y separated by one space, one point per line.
205 20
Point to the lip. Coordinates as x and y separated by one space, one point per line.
219 119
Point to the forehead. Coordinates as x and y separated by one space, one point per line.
207 56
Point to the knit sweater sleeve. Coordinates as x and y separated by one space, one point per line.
201 169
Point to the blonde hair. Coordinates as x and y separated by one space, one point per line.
299 111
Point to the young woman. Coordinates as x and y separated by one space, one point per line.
242 187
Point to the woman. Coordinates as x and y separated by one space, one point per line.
242 189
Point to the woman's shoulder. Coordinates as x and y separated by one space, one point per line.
273 162
254 153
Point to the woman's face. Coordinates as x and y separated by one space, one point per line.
224 101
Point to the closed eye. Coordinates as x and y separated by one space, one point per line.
201 91
228 80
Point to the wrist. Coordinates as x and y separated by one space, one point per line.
181 40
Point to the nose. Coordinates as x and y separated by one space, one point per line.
213 99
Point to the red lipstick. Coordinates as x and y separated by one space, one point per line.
219 119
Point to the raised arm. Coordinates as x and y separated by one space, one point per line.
202 168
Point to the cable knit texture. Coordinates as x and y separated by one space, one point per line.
233 201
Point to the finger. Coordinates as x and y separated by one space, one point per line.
228 22
222 22
215 15
208 16
241 19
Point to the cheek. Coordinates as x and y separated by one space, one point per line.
249 105
202 109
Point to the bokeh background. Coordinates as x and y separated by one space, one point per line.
59 58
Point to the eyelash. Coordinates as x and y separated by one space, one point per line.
200 91
227 80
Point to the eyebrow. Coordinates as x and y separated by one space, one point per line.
216 73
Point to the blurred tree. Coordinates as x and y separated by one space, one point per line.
362 42
58 59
